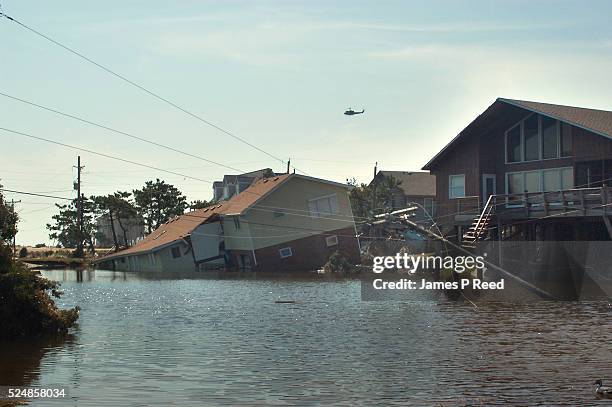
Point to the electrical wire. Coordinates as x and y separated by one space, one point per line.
35 194
146 90
102 154
123 133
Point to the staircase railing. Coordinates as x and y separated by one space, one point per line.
484 216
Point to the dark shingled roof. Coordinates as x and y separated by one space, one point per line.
596 121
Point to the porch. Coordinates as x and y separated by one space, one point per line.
577 202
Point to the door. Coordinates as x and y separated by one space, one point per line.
489 186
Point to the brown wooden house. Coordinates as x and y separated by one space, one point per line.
536 171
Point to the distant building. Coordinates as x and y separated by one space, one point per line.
128 231
289 222
235 184
416 186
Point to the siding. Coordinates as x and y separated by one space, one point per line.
485 154
267 229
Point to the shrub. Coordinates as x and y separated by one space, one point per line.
23 252
337 263
27 307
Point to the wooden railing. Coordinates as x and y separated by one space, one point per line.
570 202
467 205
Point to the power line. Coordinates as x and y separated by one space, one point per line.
102 154
123 133
142 88
35 194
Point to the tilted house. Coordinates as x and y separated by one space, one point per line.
289 222
528 169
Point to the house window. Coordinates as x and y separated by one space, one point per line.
428 204
327 205
218 193
553 179
566 140
558 179
285 252
550 143
331 240
538 137
513 144
176 252
236 222
531 137
231 191
456 186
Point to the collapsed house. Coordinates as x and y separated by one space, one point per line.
289 222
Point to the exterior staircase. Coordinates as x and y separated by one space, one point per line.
479 228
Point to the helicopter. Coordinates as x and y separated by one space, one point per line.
351 112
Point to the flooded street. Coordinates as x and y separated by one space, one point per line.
195 341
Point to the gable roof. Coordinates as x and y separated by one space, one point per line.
181 226
597 121
413 182
593 120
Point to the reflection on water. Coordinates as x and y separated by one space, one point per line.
21 360
153 340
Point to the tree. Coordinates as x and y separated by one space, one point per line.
198 204
120 210
65 228
383 191
8 220
27 307
158 202
368 200
8 230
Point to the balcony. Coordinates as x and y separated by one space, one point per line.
567 203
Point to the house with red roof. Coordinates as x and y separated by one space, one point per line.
288 222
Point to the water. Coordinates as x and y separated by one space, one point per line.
149 341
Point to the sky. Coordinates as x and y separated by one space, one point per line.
278 74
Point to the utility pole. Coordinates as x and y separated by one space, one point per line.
13 202
288 165
79 248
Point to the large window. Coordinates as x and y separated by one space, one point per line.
554 179
324 206
531 138
566 140
538 137
558 179
513 144
549 138
456 186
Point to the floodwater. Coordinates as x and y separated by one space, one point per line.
151 341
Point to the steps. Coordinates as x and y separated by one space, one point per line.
480 227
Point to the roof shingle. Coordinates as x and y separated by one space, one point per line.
181 226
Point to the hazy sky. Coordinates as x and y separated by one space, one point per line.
278 74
